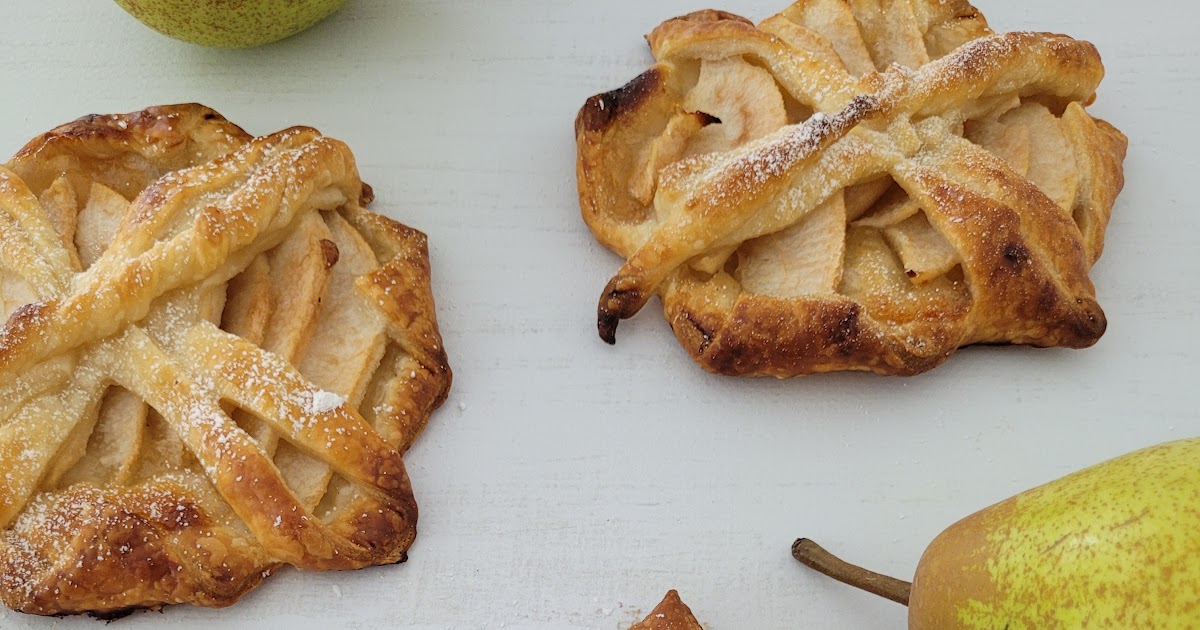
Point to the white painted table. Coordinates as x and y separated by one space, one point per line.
567 484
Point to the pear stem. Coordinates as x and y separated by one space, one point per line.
815 557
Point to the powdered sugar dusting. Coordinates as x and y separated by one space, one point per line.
323 402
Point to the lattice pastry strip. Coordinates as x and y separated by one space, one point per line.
853 185
214 356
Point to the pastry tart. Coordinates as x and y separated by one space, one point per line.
853 185
213 361
670 614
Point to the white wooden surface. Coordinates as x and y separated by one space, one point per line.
567 484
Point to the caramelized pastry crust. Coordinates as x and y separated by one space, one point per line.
671 614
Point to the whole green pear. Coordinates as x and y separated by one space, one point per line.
1111 547
1114 546
230 23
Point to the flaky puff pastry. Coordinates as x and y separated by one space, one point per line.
670 614
853 185
213 360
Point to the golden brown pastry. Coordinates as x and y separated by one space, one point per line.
853 185
213 360
671 614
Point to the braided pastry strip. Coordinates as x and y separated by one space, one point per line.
207 382
853 186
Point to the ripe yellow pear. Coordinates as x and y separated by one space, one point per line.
230 23
1115 546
